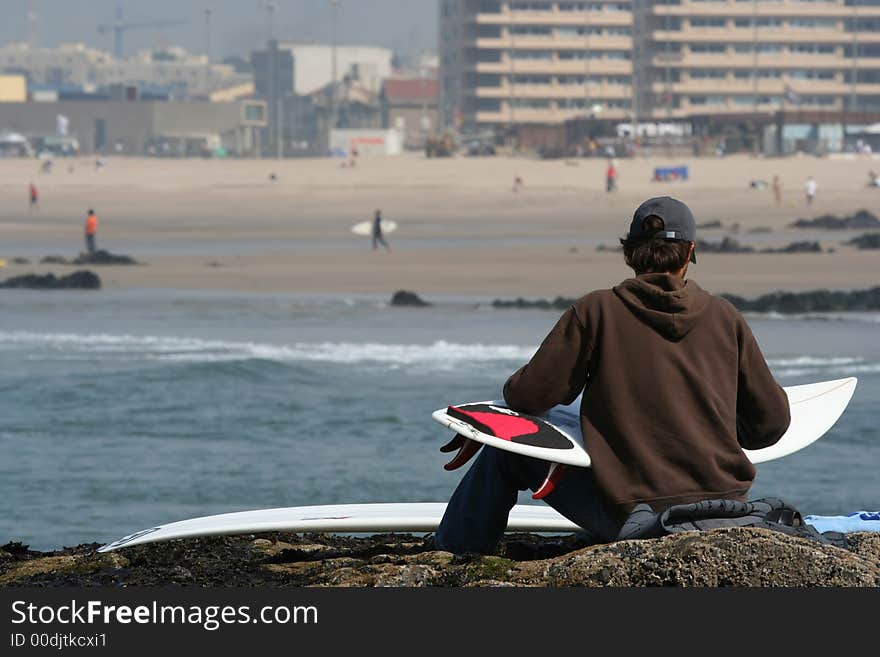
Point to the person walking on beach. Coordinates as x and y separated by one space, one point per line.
777 190
377 232
810 188
611 178
35 198
91 231
674 387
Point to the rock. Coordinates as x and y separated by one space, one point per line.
722 557
866 241
405 298
20 261
54 260
726 245
102 257
796 247
861 219
781 302
559 303
78 280
813 301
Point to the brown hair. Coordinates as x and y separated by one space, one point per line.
654 255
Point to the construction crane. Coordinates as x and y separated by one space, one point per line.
120 27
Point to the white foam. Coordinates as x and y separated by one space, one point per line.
813 361
194 350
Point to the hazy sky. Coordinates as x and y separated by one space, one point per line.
238 25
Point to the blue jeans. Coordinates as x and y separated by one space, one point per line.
476 515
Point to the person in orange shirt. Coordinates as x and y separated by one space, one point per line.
91 231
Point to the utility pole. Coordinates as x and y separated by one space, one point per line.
331 125
33 23
208 14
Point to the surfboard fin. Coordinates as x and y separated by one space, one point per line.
554 474
466 449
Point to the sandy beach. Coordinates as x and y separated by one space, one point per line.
224 225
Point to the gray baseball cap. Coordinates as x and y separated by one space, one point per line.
677 218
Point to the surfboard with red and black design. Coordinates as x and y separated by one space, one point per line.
555 438
493 423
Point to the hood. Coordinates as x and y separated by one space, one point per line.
669 305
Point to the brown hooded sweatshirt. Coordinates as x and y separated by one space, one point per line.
674 385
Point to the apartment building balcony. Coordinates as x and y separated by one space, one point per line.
609 18
763 10
770 35
597 66
764 61
557 92
774 87
525 42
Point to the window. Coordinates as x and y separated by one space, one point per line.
707 100
706 48
567 55
805 74
530 6
706 74
571 31
531 103
708 22
812 48
532 79
530 30
531 54
758 22
815 23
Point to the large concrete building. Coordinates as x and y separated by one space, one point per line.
538 62
736 56
519 62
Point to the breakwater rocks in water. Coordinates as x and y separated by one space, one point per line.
99 257
778 302
816 301
861 219
406 298
723 557
730 245
866 241
78 280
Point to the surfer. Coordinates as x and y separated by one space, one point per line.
377 232
810 188
91 231
674 387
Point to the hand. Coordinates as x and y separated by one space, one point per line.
466 449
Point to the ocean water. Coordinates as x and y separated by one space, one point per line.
124 409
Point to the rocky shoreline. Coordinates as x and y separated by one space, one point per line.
778 302
718 558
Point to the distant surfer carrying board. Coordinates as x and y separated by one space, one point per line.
674 387
377 232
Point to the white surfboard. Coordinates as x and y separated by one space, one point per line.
340 518
366 227
815 408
